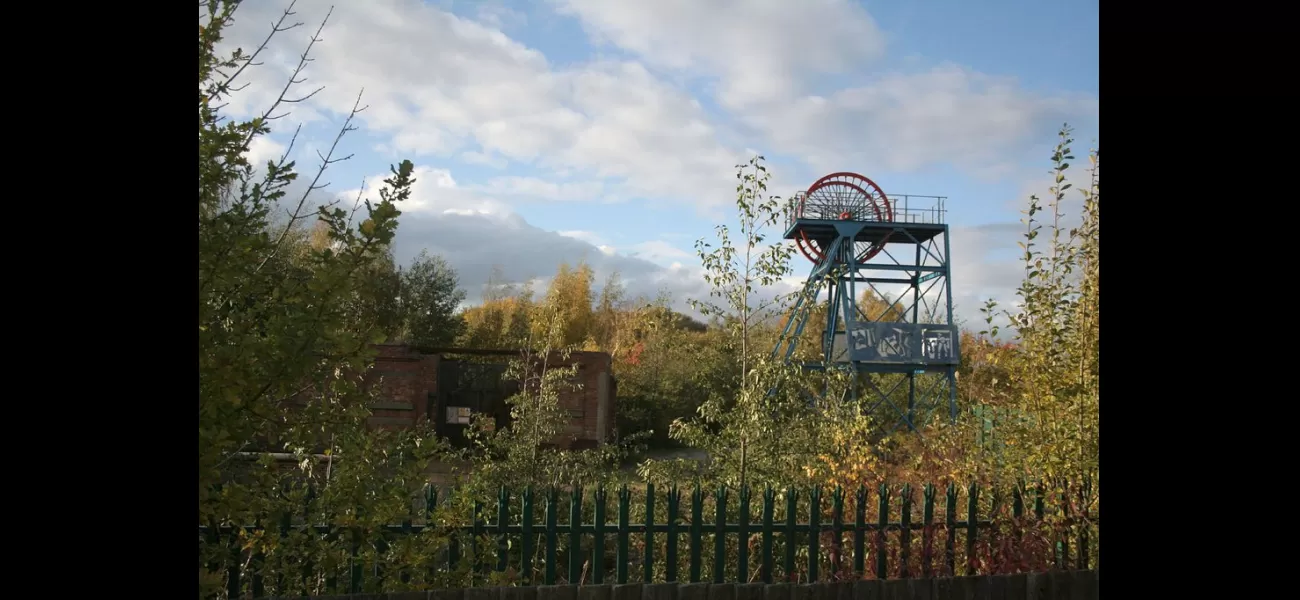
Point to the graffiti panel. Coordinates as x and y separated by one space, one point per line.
904 343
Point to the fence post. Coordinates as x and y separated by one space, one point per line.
769 500
476 526
720 535
1040 508
1018 520
905 532
743 546
837 531
927 535
407 529
257 564
621 570
598 543
860 532
791 509
950 518
552 532
1085 497
381 548
526 546
1063 560
674 503
233 583
502 521
286 522
648 557
453 544
972 526
307 567
354 581
331 573
882 526
814 532
575 535
697 535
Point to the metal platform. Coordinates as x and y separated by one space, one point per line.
872 232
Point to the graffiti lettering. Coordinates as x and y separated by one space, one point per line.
936 345
894 344
863 338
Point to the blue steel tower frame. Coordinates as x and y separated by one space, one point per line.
858 239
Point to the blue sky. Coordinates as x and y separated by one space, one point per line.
606 130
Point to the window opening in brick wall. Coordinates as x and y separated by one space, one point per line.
458 415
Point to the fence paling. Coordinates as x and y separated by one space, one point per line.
624 497
719 536
882 564
814 533
743 549
503 519
769 502
501 530
598 545
575 535
837 531
905 532
670 551
648 555
860 532
697 524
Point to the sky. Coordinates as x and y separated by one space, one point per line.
608 131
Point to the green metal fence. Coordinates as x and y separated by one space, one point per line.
791 535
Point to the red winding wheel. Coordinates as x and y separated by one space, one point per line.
845 197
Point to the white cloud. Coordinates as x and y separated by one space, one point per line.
907 121
474 233
985 266
769 56
440 85
479 158
659 251
435 192
586 236
263 149
758 49
493 13
541 189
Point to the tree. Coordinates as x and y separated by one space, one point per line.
523 452
283 343
766 391
430 298
1055 363
567 316
735 274
503 320
668 370
608 317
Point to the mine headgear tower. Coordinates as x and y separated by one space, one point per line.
859 240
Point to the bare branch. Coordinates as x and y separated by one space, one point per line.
327 160
356 204
303 59
276 27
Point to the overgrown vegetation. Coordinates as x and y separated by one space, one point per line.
290 308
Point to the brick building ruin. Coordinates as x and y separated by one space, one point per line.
450 385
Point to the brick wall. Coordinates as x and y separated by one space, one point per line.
409 377
584 404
